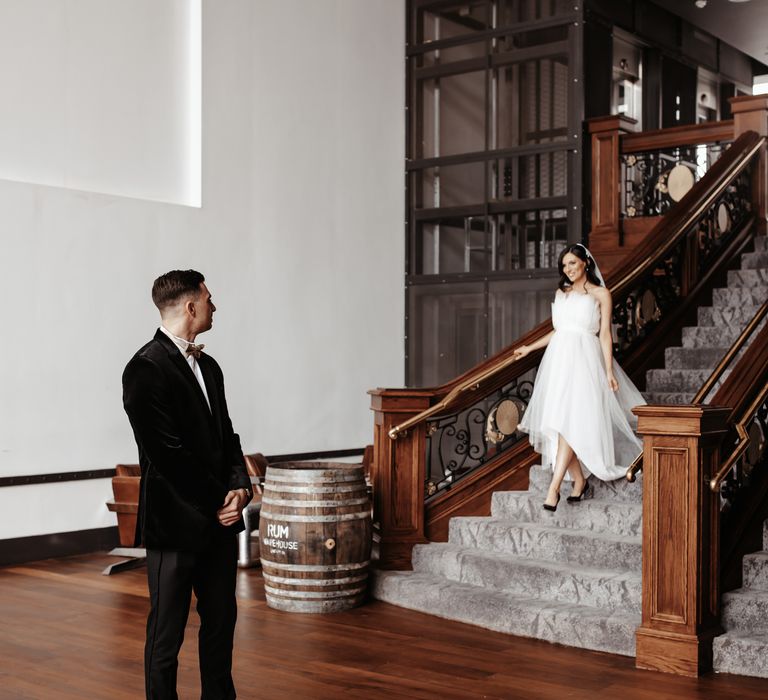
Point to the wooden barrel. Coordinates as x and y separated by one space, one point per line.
315 536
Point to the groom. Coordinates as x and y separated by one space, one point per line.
194 486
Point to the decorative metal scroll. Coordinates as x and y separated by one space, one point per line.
635 314
753 461
653 181
460 442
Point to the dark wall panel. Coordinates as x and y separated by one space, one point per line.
598 62
677 79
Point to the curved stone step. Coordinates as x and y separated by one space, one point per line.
681 381
748 296
755 572
710 337
609 589
619 490
748 278
754 261
574 625
745 610
743 654
738 316
667 398
540 541
692 358
595 515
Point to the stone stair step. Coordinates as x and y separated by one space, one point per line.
692 358
609 589
683 381
738 316
667 398
748 278
742 654
618 490
596 515
755 570
573 625
736 296
754 261
543 542
710 337
745 610
761 243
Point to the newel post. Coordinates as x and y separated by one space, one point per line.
681 597
605 133
398 473
750 113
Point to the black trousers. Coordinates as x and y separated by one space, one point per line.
172 576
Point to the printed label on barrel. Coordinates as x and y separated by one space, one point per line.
279 540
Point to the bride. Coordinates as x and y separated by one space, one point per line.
579 417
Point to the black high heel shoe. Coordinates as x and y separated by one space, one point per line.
554 507
576 499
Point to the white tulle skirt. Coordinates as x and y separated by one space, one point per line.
571 397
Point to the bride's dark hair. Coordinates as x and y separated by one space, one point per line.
581 253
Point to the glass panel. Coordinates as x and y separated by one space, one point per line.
515 11
447 329
454 114
524 177
454 245
453 19
517 306
451 54
532 102
529 240
452 185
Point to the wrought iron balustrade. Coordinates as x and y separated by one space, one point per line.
637 311
653 181
459 442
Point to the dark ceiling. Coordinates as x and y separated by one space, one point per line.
740 24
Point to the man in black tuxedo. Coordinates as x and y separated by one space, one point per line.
194 486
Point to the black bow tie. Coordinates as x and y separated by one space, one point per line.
195 350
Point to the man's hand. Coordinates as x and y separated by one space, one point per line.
230 511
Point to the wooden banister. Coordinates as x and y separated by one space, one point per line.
672 137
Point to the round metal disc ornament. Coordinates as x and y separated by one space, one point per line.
680 180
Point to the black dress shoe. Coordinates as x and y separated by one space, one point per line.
576 499
554 507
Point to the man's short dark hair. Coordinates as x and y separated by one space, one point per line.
173 286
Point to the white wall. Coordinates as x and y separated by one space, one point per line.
300 237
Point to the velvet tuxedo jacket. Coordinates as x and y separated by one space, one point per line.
189 454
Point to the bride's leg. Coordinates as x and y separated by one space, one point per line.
577 476
563 459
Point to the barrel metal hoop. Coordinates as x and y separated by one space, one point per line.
314 581
313 489
279 592
312 475
316 567
315 504
314 518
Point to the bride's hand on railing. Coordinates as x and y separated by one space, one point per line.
522 351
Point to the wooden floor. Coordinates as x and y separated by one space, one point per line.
66 631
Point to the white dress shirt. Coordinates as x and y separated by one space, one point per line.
182 345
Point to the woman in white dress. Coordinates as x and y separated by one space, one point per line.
579 417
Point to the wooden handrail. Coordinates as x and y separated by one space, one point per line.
743 443
689 135
662 239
